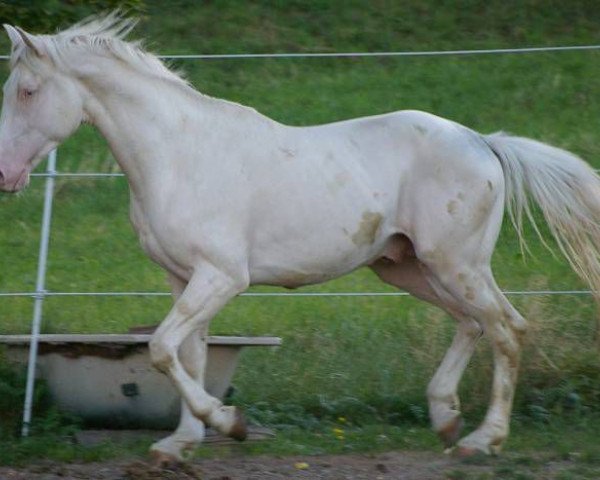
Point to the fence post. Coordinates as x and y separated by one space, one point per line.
40 291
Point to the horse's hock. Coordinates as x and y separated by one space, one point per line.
108 380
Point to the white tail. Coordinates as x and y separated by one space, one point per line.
567 191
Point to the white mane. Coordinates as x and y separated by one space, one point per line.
102 35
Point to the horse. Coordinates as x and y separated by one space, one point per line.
223 197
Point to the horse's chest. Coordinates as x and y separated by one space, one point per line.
153 243
146 237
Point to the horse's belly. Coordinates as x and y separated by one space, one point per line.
291 275
319 256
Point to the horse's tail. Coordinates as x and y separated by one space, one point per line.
567 191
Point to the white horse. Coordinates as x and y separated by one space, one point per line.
223 197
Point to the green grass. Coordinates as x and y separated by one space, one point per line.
366 358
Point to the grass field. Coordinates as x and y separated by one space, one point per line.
368 359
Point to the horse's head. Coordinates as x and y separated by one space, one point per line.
41 107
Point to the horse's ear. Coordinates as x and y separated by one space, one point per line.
13 35
32 42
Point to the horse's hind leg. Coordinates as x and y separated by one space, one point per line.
464 273
483 300
456 221
444 405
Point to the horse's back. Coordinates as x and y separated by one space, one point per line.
409 139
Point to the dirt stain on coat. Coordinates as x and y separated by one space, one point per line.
452 206
367 230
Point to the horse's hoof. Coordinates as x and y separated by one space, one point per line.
468 453
239 430
451 432
163 460
495 450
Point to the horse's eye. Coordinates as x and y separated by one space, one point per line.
26 93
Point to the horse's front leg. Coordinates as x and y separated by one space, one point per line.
207 292
190 431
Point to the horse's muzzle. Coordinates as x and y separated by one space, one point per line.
13 183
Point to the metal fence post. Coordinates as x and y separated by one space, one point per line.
39 292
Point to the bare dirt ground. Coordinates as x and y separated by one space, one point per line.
387 466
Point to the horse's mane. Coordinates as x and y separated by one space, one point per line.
102 35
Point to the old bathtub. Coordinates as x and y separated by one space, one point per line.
108 380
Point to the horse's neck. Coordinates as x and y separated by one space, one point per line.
149 122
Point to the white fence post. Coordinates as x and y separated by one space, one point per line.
40 292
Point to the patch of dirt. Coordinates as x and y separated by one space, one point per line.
146 471
388 466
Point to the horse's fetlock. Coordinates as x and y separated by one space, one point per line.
434 396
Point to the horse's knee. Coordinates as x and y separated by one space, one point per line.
162 354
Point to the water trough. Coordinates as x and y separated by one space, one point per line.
108 380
